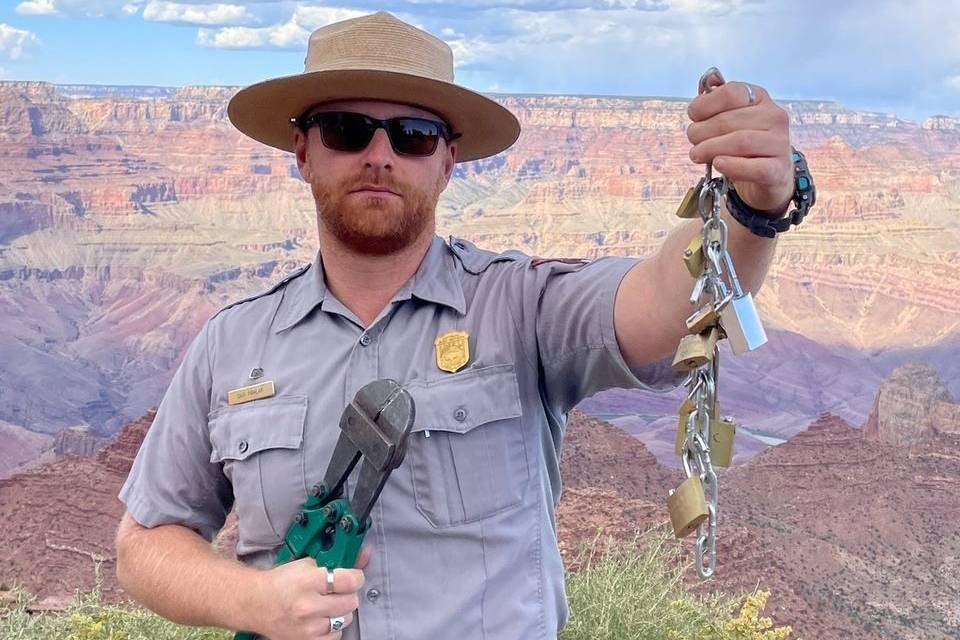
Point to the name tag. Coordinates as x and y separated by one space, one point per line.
252 392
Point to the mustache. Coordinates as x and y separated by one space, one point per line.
380 182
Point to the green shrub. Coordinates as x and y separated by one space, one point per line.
621 591
635 591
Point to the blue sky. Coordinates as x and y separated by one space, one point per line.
901 57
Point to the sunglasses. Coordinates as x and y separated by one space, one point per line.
347 131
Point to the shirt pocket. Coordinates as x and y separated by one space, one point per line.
260 444
467 453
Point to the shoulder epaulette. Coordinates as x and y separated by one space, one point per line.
276 287
476 260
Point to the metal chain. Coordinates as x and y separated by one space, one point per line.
721 285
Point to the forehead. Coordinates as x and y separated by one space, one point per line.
374 108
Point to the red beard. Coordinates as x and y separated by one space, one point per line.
375 224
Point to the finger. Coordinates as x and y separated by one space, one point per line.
765 117
344 580
744 143
366 552
766 171
337 604
335 635
732 95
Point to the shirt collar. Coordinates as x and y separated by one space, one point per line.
434 281
301 295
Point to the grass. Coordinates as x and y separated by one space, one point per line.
623 591
636 591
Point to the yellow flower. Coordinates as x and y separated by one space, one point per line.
750 626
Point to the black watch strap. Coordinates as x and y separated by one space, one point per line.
804 197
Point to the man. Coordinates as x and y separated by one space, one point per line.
463 543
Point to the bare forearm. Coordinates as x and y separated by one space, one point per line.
653 301
174 572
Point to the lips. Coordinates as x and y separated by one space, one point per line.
374 189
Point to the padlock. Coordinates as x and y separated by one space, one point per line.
690 205
722 433
687 507
741 324
693 256
702 318
739 319
695 350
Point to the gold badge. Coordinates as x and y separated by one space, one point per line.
453 350
252 392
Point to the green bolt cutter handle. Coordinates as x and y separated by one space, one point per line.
329 527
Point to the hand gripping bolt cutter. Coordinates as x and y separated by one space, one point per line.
329 526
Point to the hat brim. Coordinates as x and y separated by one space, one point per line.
263 110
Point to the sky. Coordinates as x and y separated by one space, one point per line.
876 55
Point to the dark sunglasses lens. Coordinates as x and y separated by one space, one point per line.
414 136
345 131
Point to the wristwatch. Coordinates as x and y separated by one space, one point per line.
804 197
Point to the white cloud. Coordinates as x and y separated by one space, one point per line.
13 41
80 8
37 8
210 14
292 34
468 51
284 36
316 17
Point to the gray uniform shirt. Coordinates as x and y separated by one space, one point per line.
463 535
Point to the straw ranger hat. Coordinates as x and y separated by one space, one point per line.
376 57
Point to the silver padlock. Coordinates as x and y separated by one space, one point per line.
739 318
741 323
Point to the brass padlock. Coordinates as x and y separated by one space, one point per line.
687 507
690 205
702 318
693 256
695 350
722 433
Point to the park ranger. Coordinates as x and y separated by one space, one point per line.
495 349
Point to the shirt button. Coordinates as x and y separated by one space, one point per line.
372 595
460 414
243 446
365 340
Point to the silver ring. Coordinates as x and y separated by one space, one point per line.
329 581
751 96
336 624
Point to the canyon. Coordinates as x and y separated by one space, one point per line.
130 215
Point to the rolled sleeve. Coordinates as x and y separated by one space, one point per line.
172 480
576 339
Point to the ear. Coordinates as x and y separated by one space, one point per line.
300 141
449 161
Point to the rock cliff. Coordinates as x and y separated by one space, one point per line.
913 406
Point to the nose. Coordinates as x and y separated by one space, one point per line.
379 152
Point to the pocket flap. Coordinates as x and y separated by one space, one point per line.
238 432
463 401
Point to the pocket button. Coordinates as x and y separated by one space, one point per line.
460 414
243 446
